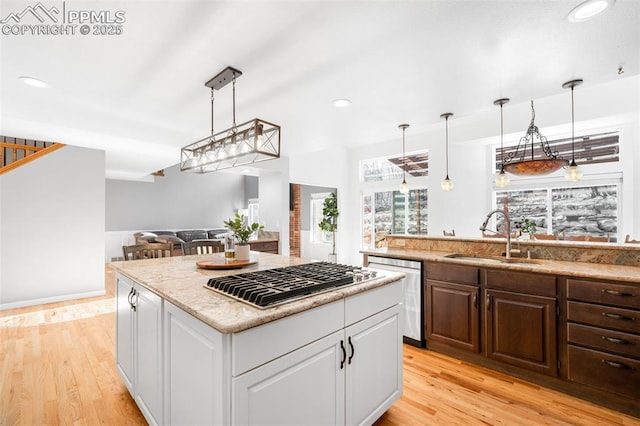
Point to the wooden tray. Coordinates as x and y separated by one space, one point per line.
220 263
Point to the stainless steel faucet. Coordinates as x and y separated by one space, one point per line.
505 213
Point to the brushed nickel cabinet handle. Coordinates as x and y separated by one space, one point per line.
618 365
617 316
616 340
616 293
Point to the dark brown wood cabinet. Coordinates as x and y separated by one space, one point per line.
578 335
603 334
521 320
266 246
453 315
521 330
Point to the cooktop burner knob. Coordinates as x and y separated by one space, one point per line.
357 276
366 274
373 274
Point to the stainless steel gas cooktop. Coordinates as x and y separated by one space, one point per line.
273 287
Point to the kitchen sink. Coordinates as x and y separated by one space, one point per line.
490 259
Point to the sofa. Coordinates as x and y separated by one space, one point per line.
177 238
267 240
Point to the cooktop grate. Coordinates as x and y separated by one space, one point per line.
275 286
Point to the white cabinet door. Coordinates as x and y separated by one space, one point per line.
304 387
124 331
197 371
374 366
148 354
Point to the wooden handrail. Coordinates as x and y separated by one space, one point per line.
37 152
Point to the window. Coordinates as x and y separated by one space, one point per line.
253 211
387 169
390 212
384 210
589 149
317 235
586 210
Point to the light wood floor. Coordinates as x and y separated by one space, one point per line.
57 367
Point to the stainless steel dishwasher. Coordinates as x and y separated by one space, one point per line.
413 329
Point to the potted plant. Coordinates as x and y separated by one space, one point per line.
242 233
528 228
329 222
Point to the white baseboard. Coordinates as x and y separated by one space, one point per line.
46 300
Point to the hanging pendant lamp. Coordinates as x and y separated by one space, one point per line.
524 161
446 184
404 188
573 172
502 179
242 144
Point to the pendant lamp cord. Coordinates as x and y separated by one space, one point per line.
234 128
446 122
501 140
573 139
404 159
212 138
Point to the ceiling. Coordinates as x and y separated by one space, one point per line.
140 95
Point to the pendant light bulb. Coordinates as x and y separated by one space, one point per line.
502 180
446 184
404 187
572 173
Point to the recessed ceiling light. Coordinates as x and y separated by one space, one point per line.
341 103
35 82
589 9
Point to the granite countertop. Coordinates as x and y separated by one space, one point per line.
630 274
179 281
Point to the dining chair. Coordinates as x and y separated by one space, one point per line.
202 247
492 235
147 251
574 237
602 239
545 237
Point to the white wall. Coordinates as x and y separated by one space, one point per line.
177 200
329 168
273 190
52 228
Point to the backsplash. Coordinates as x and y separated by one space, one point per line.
571 251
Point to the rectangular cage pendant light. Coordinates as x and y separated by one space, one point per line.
254 141
247 143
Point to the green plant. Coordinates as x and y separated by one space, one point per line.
329 222
241 231
528 226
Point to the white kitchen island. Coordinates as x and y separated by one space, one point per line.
189 355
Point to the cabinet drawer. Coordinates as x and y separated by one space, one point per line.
264 246
453 273
612 373
626 296
522 282
605 340
604 316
